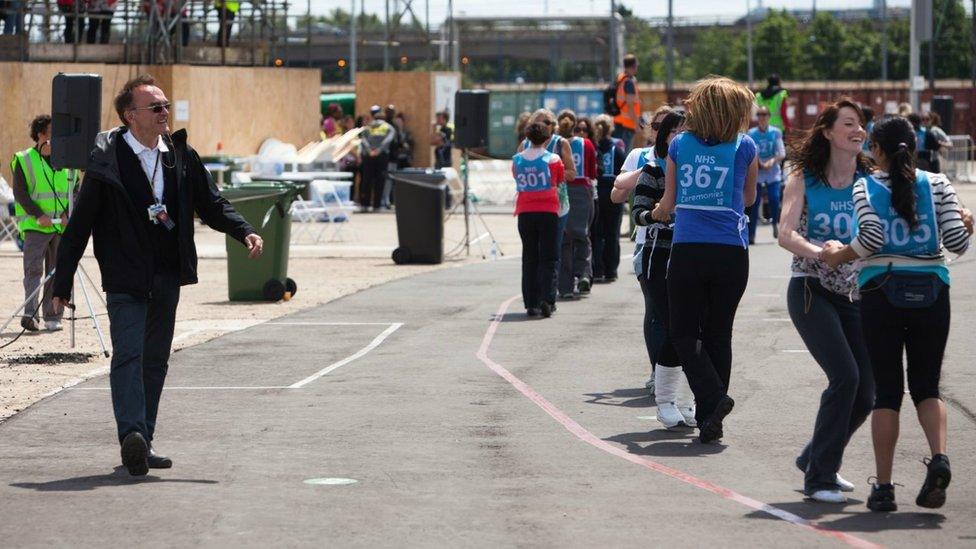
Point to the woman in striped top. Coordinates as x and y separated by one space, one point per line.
906 218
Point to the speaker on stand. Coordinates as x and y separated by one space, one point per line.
76 116
471 132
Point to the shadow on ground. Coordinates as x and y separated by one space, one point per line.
664 443
118 477
628 398
854 517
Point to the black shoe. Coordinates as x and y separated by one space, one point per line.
932 494
611 278
584 285
29 324
546 309
533 311
882 498
598 279
135 454
157 461
567 296
711 428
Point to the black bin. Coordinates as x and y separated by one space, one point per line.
419 216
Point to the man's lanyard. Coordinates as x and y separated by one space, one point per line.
152 179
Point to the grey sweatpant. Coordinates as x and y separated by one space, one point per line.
40 252
576 255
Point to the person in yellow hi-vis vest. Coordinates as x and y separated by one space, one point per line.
226 11
41 196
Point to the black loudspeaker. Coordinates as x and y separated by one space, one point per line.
471 119
944 106
76 114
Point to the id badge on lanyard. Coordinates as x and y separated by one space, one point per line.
158 214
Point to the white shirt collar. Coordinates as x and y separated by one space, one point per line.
139 148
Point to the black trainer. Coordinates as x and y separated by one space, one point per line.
882 498
711 429
933 494
533 311
135 454
546 309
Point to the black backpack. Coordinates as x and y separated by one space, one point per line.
610 105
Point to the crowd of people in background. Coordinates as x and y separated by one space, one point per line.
865 213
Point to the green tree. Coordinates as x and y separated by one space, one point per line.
777 47
717 51
951 32
825 54
645 42
862 52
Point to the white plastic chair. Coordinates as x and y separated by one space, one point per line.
325 205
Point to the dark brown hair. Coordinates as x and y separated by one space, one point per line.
567 122
671 121
630 60
538 133
39 125
810 151
895 137
123 100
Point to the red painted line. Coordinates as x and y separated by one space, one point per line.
586 436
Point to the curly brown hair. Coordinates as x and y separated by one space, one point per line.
810 151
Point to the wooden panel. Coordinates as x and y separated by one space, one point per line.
238 107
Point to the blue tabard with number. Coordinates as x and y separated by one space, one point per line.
767 142
900 238
577 148
830 211
646 156
607 161
533 175
705 175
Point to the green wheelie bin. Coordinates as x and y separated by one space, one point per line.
265 205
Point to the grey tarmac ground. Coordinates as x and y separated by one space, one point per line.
561 451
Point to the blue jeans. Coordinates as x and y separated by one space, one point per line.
142 334
773 191
13 20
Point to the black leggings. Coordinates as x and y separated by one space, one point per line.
539 255
920 333
705 284
606 233
654 286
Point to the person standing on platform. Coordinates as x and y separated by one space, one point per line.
226 12
100 14
772 152
629 103
74 19
142 189
41 198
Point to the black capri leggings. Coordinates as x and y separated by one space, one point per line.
920 333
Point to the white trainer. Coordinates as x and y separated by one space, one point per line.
52 325
828 496
688 412
845 485
669 416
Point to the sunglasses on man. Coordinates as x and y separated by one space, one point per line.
155 107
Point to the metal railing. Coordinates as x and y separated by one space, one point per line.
959 162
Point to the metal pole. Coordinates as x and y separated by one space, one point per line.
669 54
308 34
972 38
913 51
750 63
614 55
452 36
386 39
884 39
353 46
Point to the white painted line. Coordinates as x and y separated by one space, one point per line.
777 320
766 295
359 354
794 351
331 481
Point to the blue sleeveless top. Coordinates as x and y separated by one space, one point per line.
900 238
533 175
577 148
830 211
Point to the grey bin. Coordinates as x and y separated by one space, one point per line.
420 199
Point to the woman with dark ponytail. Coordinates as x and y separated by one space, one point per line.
906 218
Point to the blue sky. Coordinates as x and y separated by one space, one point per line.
644 8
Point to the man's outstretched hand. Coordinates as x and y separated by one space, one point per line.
255 245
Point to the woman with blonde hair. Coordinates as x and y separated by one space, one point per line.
710 178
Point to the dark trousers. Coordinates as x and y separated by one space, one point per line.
830 326
374 178
142 334
226 18
655 290
576 256
705 284
654 333
100 25
606 234
74 25
921 334
773 192
539 234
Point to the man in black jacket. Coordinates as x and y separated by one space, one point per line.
137 201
